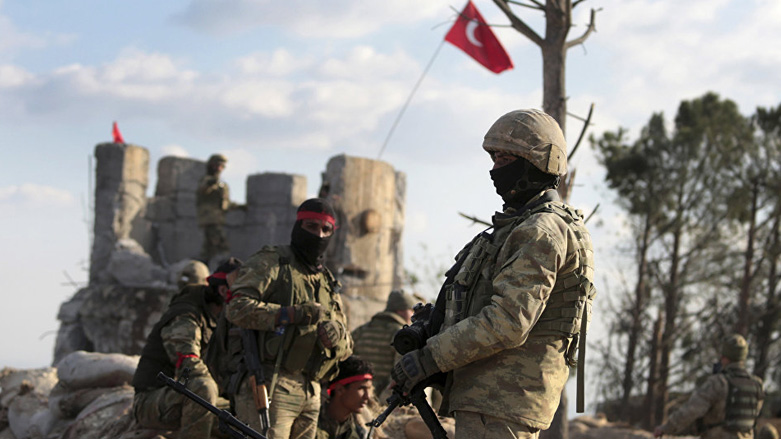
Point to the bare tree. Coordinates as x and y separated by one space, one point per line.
554 46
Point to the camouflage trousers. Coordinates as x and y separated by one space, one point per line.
214 242
294 410
165 409
471 425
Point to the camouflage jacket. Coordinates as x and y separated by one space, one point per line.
500 364
708 404
373 344
329 428
273 278
177 340
212 200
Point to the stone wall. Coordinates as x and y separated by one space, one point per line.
366 251
142 242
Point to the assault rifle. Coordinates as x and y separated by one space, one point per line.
228 423
257 380
417 397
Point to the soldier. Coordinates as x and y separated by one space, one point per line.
373 339
212 201
195 273
517 297
175 343
348 394
728 402
292 301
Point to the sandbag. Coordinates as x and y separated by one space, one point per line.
6 433
110 415
80 369
65 403
25 410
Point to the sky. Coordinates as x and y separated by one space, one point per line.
285 86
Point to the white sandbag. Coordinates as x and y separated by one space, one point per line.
109 415
22 412
80 369
16 381
6 433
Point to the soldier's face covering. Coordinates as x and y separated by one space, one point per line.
312 231
518 181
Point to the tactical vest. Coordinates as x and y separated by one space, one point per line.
301 350
373 344
743 398
154 358
568 309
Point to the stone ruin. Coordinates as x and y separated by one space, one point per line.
141 243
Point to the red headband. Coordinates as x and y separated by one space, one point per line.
218 275
348 380
305 214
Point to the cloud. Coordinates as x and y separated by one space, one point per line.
333 19
680 50
30 195
174 150
13 40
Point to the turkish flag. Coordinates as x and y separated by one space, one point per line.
470 34
117 135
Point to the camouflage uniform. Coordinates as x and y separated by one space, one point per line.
270 279
176 342
504 361
518 300
373 344
708 403
212 201
329 428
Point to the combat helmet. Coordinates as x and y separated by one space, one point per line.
533 135
735 348
195 272
216 158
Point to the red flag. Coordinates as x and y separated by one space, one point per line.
471 34
117 135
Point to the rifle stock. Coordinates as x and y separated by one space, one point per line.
228 423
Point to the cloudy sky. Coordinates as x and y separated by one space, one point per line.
284 86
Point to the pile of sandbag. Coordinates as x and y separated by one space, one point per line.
86 396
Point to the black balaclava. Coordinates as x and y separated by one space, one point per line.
519 181
310 248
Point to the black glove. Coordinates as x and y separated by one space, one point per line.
305 314
330 332
413 368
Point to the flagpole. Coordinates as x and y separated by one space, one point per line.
409 99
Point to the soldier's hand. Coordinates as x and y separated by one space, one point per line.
413 368
330 332
305 314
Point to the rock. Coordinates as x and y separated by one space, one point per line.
15 382
130 265
80 370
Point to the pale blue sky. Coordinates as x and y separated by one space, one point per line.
284 86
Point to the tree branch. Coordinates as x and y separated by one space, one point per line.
475 220
536 5
519 24
591 28
586 124
576 2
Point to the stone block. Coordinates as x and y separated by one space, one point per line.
184 204
176 174
276 189
160 209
